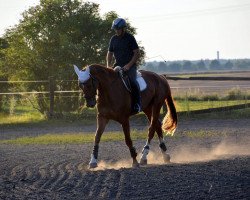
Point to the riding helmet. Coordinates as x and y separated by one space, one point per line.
118 23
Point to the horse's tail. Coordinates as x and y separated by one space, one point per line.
169 122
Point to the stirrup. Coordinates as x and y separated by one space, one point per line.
137 108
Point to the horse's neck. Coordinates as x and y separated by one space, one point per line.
106 77
102 74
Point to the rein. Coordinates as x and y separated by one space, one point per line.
94 81
121 76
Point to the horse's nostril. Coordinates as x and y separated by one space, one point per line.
91 103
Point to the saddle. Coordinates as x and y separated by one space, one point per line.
125 79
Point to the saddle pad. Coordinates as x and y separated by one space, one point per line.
140 80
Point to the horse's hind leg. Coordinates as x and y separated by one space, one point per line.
129 143
101 124
152 115
155 125
162 145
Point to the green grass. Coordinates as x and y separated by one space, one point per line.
27 115
73 138
20 115
24 118
78 138
231 114
187 105
24 115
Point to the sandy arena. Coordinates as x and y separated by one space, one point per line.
213 167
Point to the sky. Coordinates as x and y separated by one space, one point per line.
171 29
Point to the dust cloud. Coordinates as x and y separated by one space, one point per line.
102 165
222 150
185 154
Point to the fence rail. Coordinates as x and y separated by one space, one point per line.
52 86
202 78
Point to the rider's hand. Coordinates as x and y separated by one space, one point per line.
126 67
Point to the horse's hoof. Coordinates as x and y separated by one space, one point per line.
92 165
166 158
135 165
143 162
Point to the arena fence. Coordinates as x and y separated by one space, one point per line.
52 91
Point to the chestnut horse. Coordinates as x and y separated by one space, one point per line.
114 103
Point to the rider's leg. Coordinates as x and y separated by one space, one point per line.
132 73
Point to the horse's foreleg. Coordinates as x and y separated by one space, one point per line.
129 143
101 124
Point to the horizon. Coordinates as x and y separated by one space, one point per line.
181 60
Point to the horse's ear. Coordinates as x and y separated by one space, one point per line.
77 71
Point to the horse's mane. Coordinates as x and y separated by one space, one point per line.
101 69
96 66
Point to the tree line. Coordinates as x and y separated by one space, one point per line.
54 35
50 38
201 65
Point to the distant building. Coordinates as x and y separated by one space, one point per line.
218 55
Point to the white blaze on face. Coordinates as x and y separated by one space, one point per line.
83 76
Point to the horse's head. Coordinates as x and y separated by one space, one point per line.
88 84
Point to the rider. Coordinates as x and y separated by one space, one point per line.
124 48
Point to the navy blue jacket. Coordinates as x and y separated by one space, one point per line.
122 47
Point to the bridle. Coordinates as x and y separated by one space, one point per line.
94 82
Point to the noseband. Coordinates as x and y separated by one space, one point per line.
93 85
